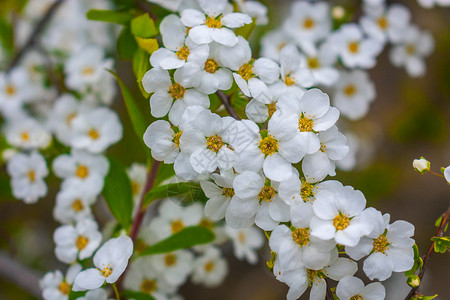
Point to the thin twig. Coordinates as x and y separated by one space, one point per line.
436 174
35 34
439 233
145 7
226 102
329 292
15 272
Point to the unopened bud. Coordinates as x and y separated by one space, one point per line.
413 281
421 165
338 12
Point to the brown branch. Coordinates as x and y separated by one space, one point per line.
226 102
35 34
146 7
439 233
137 222
329 292
24 277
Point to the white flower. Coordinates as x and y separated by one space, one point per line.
55 286
447 174
333 147
410 53
110 262
210 268
27 176
386 24
86 67
252 76
96 130
354 49
174 96
209 143
173 218
421 165
300 118
255 10
256 201
273 42
351 287
308 22
143 277
73 204
78 241
296 248
246 242
174 267
213 24
431 3
27 133
339 215
219 193
97 294
178 49
353 94
138 175
82 168
389 247
258 111
14 91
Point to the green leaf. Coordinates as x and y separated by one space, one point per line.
185 238
165 172
138 117
137 295
118 194
110 16
75 295
126 44
141 65
144 27
184 191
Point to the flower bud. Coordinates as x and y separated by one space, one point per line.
421 165
338 12
413 281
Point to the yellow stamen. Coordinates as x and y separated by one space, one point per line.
266 194
268 145
82 171
81 242
305 124
177 226
382 23
209 266
10 90
350 90
31 175
272 108
340 222
313 63
64 288
356 297
77 205
353 47
170 260
148 286
25 136
213 22
246 71
106 271
228 192
307 191
177 91
288 80
211 66
214 143
380 244
176 138
308 23
183 53
300 236
93 134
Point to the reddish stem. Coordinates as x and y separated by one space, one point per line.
226 102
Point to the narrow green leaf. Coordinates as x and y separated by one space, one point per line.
126 44
110 16
185 238
141 65
184 191
118 194
137 295
138 117
143 26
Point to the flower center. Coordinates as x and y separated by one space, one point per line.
140 246
356 297
228 192
305 124
64 288
340 222
170 260
106 271
288 80
308 23
214 143
87 71
82 171
306 191
300 236
353 47
25 136
31 175
211 66
323 148
69 118
213 22
266 194
382 23
183 53
135 188
272 108
148 286
209 266
176 138
380 244
313 63
81 242
350 90
246 71
268 145
10 90
93 134
241 237
77 205
177 226
314 274
410 49
206 224
177 91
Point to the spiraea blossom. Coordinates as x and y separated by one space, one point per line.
55 285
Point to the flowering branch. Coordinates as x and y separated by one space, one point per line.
439 233
226 102
35 34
